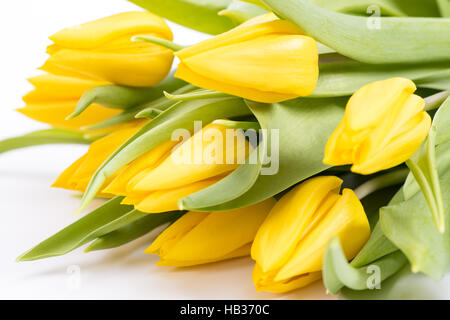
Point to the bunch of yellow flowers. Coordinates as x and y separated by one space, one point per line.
266 140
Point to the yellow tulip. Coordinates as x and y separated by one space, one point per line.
199 237
384 124
265 60
55 97
77 176
156 185
290 244
103 50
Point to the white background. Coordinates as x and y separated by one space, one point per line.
31 211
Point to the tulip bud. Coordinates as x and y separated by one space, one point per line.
103 50
384 124
200 161
264 59
55 97
290 244
200 237
77 176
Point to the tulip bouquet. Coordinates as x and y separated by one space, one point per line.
303 133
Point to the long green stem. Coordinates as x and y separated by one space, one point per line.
159 41
383 181
195 95
434 101
434 203
46 136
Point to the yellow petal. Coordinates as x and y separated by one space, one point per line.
399 149
290 61
64 177
149 160
372 102
78 175
167 199
252 30
347 220
101 31
251 93
220 233
201 157
55 113
289 219
126 68
240 252
264 283
103 50
50 87
163 243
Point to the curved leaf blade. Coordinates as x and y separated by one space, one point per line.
106 218
405 40
198 15
42 137
132 231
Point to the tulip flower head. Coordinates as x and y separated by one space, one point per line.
173 173
201 237
384 124
290 244
55 97
265 60
102 50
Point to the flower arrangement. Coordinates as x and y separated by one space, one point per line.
268 139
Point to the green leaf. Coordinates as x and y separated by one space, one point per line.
239 11
160 104
103 220
377 40
41 137
133 230
195 95
122 97
375 249
418 8
243 125
344 78
439 81
200 15
337 272
424 169
180 116
304 126
410 226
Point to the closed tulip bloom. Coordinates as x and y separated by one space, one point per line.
265 60
55 97
290 244
200 161
77 176
103 50
200 237
384 124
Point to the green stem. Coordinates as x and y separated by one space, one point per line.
433 203
41 137
434 101
244 125
195 95
159 41
383 181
